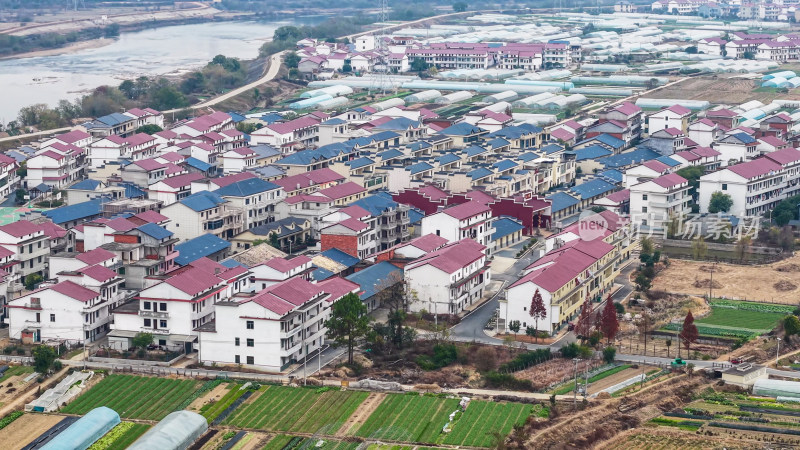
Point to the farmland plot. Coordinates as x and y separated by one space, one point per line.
408 418
135 397
481 418
278 408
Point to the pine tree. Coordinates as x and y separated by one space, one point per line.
609 325
537 310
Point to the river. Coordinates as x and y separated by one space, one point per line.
156 51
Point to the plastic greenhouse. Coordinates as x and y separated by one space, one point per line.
386 104
333 103
783 74
657 103
333 91
309 102
776 388
505 96
752 104
499 107
529 102
177 431
564 85
454 97
424 96
483 88
85 431
602 92
777 82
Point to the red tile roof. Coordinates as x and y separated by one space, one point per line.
95 256
149 164
688 156
121 224
562 134
432 192
20 228
480 196
151 216
337 288
755 168
723 112
98 272
355 212
784 156
452 257
705 152
557 269
306 179
619 196
292 125
628 108
773 141
656 165
179 181
466 210
427 243
74 291
285 265
669 180
194 281
353 224
342 190
680 110
73 136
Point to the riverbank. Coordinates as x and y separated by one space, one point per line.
71 48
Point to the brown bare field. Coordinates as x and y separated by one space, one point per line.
757 283
617 378
550 372
720 89
214 394
659 438
25 429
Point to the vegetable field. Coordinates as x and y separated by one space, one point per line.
135 397
481 418
277 408
735 319
120 437
408 418
212 410
283 442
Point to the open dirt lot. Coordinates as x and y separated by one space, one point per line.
25 429
725 89
668 439
757 283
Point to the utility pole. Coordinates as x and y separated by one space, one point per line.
777 352
305 349
575 391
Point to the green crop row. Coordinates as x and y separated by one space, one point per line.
481 419
5 421
749 306
608 373
707 330
212 410
409 418
120 437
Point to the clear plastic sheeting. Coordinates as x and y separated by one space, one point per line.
310 102
776 388
752 104
777 82
370 81
386 104
333 103
499 107
563 85
454 97
63 392
483 88
529 102
786 74
423 97
479 74
535 119
333 91
620 80
545 75
177 431
85 431
606 68
658 103
602 92
505 96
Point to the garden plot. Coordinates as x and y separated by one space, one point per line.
121 436
135 397
737 319
615 378
278 408
281 442
410 418
481 419
25 429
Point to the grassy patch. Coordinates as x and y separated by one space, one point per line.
16 370
609 372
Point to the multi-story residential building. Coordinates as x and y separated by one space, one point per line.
704 132
789 159
277 270
114 124
256 199
755 186
30 245
736 147
676 116
78 138
157 253
274 328
204 213
667 141
300 133
9 179
113 149
306 206
171 189
351 236
566 277
65 312
238 160
472 220
292 234
144 172
174 308
56 165
658 200
627 113
448 280
218 121
724 117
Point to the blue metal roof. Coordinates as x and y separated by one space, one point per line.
323 153
480 172
399 123
76 212
154 231
376 204
447 158
271 118
199 247
374 277
592 188
384 136
591 152
197 164
462 129
561 201
268 171
744 137
248 187
628 158
611 175
668 161
551 148
415 215
334 121
203 200
320 274
609 140
504 165
86 185
516 131
360 162
231 263
529 156
236 117
114 119
473 150
419 167
265 151
505 226
497 143
132 191
334 254
390 154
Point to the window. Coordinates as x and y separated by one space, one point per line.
162 306
251 360
52 317
251 343
38 317
147 323
237 359
644 196
724 186
146 306
163 324
250 325
162 342
644 209
236 342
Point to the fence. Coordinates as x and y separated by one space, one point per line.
755 260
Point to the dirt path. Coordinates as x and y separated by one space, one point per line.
363 412
20 401
214 394
25 429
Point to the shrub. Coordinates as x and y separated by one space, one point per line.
573 350
527 359
505 381
609 353
57 365
486 359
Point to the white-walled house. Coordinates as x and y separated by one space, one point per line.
203 213
65 311
736 147
754 186
659 199
237 160
449 279
276 270
471 220
675 116
256 199
704 132
274 328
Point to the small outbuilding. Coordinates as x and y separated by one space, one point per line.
744 375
